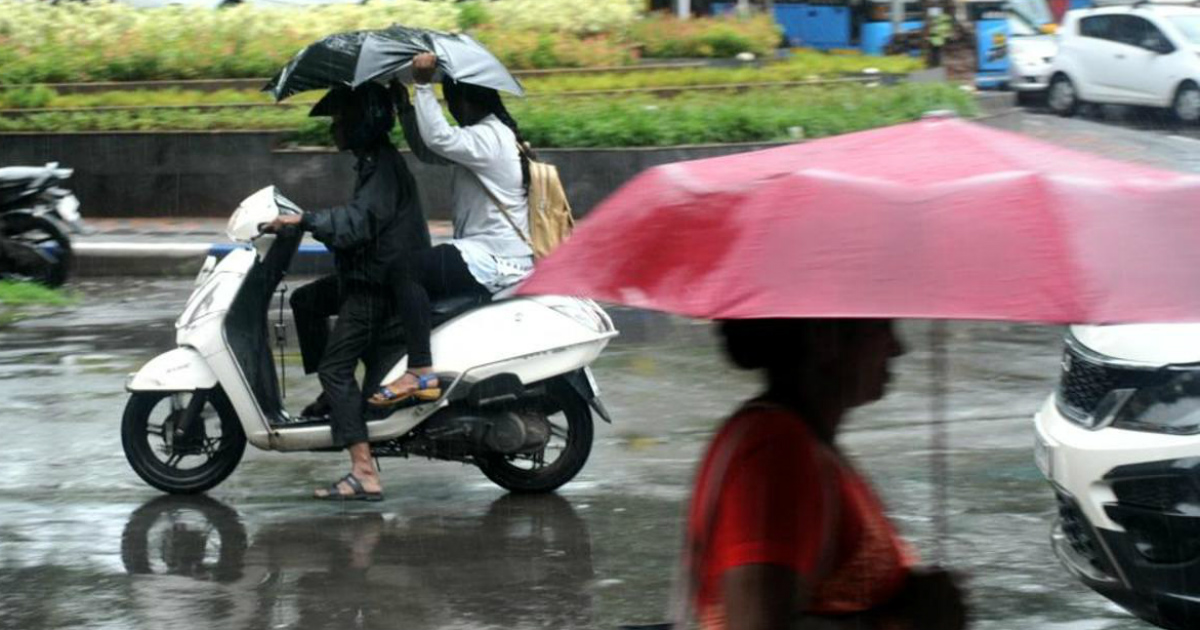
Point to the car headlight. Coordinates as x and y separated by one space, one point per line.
1172 406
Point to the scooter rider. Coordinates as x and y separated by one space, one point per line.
382 222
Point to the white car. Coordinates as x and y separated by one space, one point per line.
1144 54
1119 441
1031 47
1030 56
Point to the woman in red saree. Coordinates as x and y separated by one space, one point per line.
783 532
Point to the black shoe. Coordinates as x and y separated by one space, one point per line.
319 408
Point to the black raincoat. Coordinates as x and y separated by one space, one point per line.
382 222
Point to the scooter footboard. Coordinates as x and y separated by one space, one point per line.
180 370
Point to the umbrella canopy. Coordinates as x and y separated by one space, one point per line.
933 219
354 58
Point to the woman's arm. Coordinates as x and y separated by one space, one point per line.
407 115
473 147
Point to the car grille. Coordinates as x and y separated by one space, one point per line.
1087 379
1079 534
1165 494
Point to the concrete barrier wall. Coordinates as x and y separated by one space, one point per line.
207 174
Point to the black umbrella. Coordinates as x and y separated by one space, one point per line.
353 58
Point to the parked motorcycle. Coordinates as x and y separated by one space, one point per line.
517 394
36 214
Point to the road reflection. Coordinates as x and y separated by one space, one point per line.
527 562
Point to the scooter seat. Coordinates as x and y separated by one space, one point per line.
448 308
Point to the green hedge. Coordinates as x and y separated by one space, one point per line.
98 41
802 66
629 121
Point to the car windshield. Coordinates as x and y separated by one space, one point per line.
1189 25
1018 27
1025 17
1034 11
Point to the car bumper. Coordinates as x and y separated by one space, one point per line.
1029 77
1128 514
1028 83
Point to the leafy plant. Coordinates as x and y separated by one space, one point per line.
722 36
625 121
107 41
13 293
471 14
803 65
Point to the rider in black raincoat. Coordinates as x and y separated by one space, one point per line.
384 221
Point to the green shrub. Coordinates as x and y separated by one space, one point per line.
105 41
532 49
576 17
27 97
757 116
801 66
471 14
723 36
13 293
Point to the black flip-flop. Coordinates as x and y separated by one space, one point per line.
359 493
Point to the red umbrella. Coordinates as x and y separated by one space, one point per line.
934 219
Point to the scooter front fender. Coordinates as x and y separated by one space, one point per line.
180 370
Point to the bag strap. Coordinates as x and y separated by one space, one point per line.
503 210
689 578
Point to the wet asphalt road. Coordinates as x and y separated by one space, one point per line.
84 544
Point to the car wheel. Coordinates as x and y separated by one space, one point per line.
1186 106
1063 98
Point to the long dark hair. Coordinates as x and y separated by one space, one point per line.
488 100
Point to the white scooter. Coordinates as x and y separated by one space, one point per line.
517 393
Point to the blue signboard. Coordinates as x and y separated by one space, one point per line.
820 24
991 40
876 35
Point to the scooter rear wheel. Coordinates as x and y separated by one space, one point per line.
176 464
560 461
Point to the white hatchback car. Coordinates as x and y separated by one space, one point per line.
1119 441
1144 54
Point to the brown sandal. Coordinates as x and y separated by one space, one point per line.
428 389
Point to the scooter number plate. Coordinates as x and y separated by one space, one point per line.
592 382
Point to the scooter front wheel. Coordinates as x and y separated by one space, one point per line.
178 454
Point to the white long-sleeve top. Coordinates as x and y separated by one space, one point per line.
482 154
